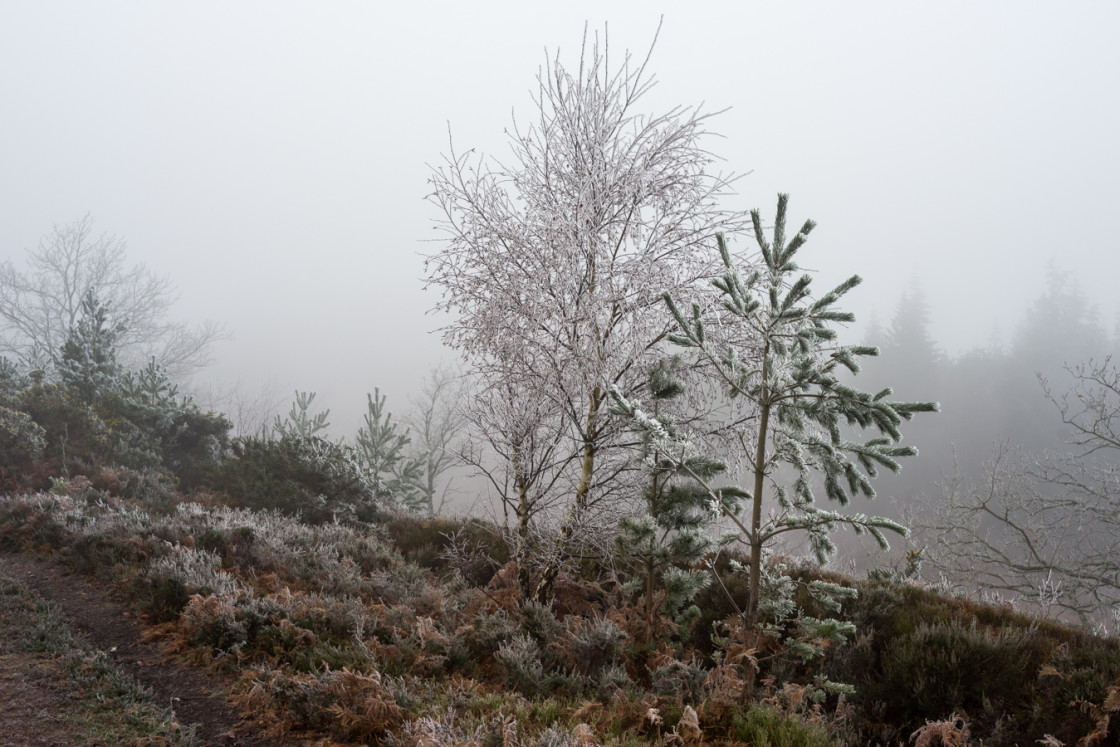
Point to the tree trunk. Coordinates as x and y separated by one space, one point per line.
545 587
756 499
524 582
651 564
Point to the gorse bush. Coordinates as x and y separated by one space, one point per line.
310 478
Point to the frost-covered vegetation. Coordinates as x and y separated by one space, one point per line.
622 435
414 629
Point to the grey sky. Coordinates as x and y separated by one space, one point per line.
270 156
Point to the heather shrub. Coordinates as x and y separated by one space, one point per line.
1077 673
947 666
151 485
539 622
763 726
166 586
233 545
93 552
592 646
520 662
727 595
305 633
36 522
472 548
442 728
220 625
488 632
449 727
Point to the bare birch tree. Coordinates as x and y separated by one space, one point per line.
39 308
435 422
555 262
519 445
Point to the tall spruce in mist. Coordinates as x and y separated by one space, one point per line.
909 349
912 364
669 536
790 377
1061 328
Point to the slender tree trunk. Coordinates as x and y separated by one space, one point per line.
651 562
524 582
547 583
590 449
756 498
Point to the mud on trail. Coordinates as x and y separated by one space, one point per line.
195 695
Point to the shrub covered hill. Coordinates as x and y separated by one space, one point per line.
409 630
289 563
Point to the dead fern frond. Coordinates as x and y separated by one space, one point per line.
1101 714
688 728
584 736
952 732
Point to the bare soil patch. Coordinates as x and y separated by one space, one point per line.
27 706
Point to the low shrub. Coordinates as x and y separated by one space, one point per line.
762 726
346 704
310 478
471 547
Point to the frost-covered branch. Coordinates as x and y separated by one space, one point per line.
554 261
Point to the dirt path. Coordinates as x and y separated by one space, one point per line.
194 694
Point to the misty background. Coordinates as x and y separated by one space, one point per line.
272 160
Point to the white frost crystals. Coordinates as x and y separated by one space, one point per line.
554 264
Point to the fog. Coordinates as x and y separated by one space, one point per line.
272 158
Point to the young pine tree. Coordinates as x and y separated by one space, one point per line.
789 375
381 444
666 539
88 363
300 423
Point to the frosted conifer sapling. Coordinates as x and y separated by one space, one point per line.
789 375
